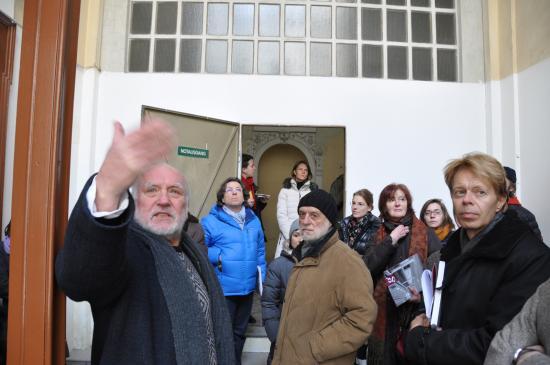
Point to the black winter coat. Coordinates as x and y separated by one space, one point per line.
108 263
525 215
483 289
364 238
274 291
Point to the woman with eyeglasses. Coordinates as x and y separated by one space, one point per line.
434 214
294 188
236 249
400 236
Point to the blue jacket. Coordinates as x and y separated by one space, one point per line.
235 253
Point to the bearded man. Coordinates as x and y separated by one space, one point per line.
154 296
328 310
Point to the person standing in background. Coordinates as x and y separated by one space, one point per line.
294 188
236 249
434 214
256 203
513 203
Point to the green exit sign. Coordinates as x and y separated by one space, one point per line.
192 152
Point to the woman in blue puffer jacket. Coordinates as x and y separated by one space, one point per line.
236 249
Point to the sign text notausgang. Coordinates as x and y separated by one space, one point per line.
192 152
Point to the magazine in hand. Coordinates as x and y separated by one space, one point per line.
402 277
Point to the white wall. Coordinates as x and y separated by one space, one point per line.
402 131
534 151
7 7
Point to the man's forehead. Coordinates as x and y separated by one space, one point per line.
162 175
306 209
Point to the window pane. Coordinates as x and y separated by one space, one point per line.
371 24
167 17
397 62
295 58
165 53
139 55
397 25
242 57
191 18
321 22
243 19
320 59
445 25
421 27
446 65
420 2
448 4
371 1
141 18
268 58
216 56
346 23
372 61
269 20
190 55
217 19
346 1
422 63
395 2
346 60
295 21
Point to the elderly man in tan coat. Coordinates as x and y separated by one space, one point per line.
328 311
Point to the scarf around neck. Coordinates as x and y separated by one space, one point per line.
239 216
443 231
186 317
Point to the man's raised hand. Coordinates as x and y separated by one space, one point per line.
129 156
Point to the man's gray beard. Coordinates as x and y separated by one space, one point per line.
317 236
172 232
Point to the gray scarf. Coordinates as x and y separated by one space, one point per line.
188 322
239 216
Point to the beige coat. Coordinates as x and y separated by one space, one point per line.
328 311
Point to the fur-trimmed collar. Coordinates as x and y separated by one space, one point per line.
288 184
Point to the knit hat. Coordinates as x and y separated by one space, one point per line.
323 201
293 227
510 174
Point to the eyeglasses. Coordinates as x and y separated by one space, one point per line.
233 190
434 212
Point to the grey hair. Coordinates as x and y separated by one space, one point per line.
134 189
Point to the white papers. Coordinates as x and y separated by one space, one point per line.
260 281
427 291
436 308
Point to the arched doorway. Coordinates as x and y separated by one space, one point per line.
273 167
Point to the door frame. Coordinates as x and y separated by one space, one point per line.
36 313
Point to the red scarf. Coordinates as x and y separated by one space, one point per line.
248 183
513 200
